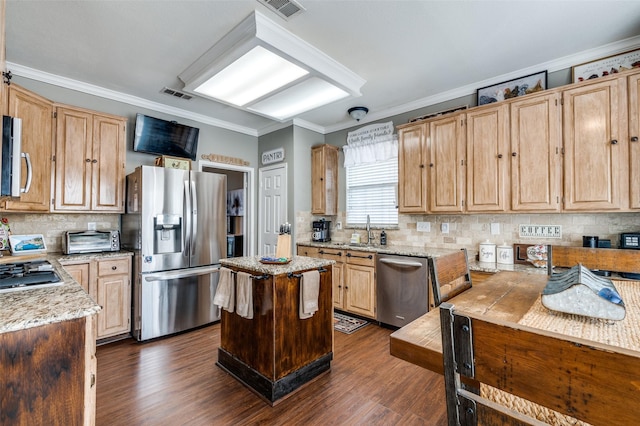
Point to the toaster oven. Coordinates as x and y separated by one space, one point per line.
75 242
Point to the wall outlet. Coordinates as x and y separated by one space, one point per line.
444 228
338 225
495 229
91 226
423 226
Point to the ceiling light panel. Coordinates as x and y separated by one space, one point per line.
227 73
309 94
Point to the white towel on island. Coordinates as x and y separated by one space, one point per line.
225 293
309 290
244 302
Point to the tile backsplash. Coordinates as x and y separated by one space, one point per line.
53 226
468 231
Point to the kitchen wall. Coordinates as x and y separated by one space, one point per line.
53 226
468 231
212 140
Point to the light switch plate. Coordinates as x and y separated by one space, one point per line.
91 226
444 228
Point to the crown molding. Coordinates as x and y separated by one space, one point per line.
80 86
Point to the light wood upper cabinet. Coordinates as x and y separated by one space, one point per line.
536 147
3 64
89 161
634 142
412 168
487 159
324 179
596 149
36 113
447 164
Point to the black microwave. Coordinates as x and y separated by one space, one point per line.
630 240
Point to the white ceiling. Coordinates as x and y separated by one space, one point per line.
412 53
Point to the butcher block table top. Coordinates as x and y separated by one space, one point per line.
504 296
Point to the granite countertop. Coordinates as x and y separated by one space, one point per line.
400 250
297 264
22 309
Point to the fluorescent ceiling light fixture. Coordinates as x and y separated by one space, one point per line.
305 96
239 83
262 68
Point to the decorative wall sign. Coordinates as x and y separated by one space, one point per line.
173 162
216 158
371 133
273 156
513 88
540 231
606 66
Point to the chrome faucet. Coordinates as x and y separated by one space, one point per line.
369 233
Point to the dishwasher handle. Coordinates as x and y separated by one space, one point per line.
407 263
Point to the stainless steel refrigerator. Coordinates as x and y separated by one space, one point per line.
175 223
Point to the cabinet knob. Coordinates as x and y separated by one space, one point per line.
422 166
88 160
634 139
513 154
499 155
614 142
94 161
430 164
113 268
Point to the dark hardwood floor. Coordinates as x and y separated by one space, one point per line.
174 381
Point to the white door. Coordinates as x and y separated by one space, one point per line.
272 208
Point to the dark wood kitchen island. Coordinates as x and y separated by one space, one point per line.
276 352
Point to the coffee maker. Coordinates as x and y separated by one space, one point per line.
321 231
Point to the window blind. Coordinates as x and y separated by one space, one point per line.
371 190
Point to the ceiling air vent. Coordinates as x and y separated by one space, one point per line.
284 8
176 93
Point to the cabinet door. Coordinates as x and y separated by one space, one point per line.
73 160
108 164
487 159
114 297
446 166
634 143
536 146
595 153
36 113
338 285
80 273
360 290
324 180
412 170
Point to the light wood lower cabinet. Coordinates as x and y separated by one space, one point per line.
354 278
108 282
360 283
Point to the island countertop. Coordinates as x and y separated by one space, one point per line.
297 263
26 308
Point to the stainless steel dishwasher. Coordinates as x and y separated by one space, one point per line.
402 288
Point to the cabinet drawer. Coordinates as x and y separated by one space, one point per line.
113 267
307 251
332 254
363 258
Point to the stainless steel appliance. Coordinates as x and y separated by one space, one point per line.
176 226
402 288
23 275
10 168
74 242
321 230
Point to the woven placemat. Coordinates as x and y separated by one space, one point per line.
616 333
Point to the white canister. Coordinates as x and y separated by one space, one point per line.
504 254
487 252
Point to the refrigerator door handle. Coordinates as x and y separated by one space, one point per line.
187 232
182 273
194 226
